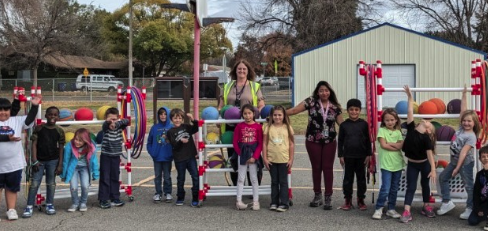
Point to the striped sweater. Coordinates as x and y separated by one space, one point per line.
112 139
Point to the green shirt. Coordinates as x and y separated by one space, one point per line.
390 160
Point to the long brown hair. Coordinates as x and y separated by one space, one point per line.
251 75
392 112
286 121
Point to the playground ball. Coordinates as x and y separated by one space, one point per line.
415 108
445 133
93 136
401 107
428 107
442 164
210 113
265 111
65 115
216 161
84 114
232 113
68 136
222 110
454 106
227 137
101 112
437 125
212 138
441 106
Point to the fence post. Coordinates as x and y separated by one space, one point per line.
53 89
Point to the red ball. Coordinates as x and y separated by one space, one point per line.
427 107
441 106
84 114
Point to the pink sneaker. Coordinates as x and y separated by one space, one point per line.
406 216
428 211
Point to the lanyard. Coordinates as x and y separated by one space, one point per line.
238 95
324 115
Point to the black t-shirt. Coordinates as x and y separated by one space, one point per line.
183 151
416 144
48 142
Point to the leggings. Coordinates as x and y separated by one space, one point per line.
322 158
413 170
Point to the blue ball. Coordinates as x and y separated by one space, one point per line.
402 107
265 111
210 113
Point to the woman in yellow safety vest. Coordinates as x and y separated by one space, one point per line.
239 91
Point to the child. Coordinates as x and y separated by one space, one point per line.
248 143
47 158
12 159
419 148
354 151
109 184
80 163
278 152
462 159
160 150
184 154
480 192
390 139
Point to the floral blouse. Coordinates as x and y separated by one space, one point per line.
315 128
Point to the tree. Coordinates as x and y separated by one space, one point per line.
36 29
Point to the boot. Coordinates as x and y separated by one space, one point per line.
240 205
255 206
361 205
328 202
317 200
347 205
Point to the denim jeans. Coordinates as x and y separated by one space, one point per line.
50 168
162 169
467 176
181 167
413 170
279 184
474 219
82 175
390 182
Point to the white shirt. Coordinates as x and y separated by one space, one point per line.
11 152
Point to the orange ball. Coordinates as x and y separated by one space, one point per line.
427 107
441 106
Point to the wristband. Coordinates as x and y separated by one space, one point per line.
35 163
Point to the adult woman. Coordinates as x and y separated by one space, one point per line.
323 111
240 91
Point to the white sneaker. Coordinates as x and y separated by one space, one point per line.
393 214
12 214
465 214
73 208
169 198
83 207
446 207
157 198
378 214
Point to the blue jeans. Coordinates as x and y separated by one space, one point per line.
81 173
50 168
390 182
413 170
181 167
162 169
467 176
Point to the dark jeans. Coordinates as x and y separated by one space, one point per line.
181 167
413 170
50 168
279 184
162 169
109 185
351 166
474 219
322 158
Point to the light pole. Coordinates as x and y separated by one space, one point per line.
224 63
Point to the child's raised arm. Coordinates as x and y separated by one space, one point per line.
464 103
410 104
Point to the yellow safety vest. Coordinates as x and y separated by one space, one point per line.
254 92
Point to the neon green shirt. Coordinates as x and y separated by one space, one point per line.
390 160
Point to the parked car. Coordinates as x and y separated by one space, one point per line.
284 83
269 81
98 83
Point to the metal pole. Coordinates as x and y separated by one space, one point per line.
196 70
130 43
53 90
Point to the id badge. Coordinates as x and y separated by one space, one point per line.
325 132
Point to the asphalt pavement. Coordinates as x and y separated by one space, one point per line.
219 213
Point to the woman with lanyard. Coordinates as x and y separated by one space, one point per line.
239 91
323 112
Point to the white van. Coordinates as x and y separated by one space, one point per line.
98 83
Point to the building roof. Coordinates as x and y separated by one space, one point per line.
78 62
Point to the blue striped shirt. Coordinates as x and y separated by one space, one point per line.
112 139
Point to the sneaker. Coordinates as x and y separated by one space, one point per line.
465 214
169 198
282 208
157 198
256 206
50 209
317 200
428 211
83 207
393 214
347 205
240 205
28 211
378 214
406 216
179 202
194 204
118 203
12 214
361 205
73 208
273 207
445 207
486 226
105 205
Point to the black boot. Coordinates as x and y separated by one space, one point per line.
317 200
327 202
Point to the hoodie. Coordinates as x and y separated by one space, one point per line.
158 145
